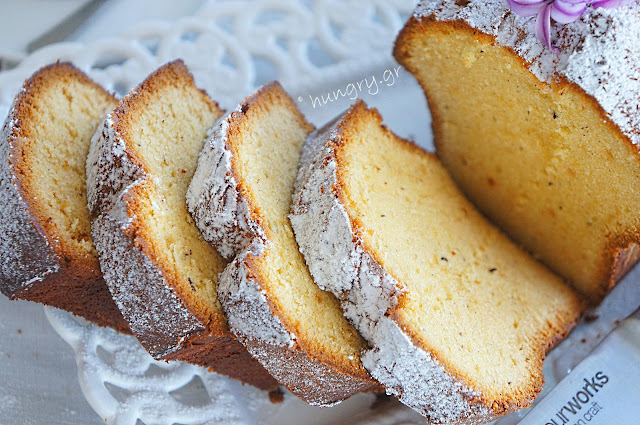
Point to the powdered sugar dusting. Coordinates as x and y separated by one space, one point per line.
599 52
245 304
213 198
27 256
154 312
406 372
164 323
168 322
273 345
109 168
339 263
224 216
336 259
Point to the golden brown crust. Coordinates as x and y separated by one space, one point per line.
316 376
342 378
614 267
172 74
74 282
90 297
353 115
336 383
545 339
170 323
229 357
265 95
623 261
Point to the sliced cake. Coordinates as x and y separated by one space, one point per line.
544 142
458 317
240 197
160 271
45 238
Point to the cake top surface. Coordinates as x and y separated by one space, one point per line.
599 52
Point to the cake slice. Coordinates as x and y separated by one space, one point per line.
45 239
240 197
458 317
544 142
160 271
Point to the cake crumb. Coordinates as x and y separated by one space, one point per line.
591 317
276 396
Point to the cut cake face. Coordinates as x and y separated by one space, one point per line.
544 142
458 317
240 197
160 271
45 239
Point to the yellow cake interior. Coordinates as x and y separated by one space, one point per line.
482 306
64 110
167 126
267 150
540 160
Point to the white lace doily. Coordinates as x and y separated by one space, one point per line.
232 47
301 43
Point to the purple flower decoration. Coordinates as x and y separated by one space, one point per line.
561 11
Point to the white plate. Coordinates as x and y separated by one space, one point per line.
325 57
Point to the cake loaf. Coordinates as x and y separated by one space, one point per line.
160 271
240 198
45 239
544 142
458 317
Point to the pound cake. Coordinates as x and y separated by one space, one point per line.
544 141
240 198
45 239
458 317
160 271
